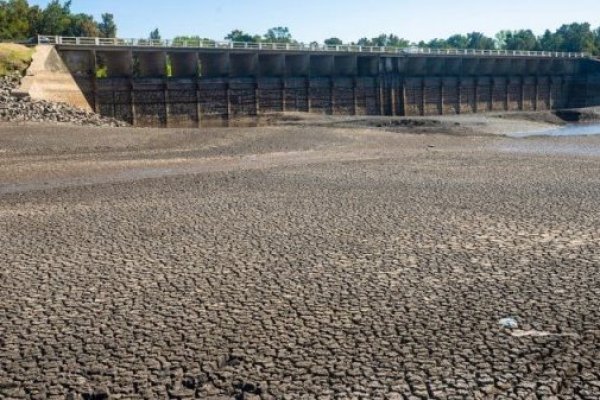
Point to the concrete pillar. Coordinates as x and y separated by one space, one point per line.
449 95
459 96
522 101
229 106
355 95
198 107
256 98
283 95
403 97
393 99
167 106
322 65
381 100
424 97
492 91
184 64
441 104
95 83
332 94
308 95
133 104
484 93
152 64
536 93
476 95
507 94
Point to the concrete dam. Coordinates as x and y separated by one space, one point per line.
206 84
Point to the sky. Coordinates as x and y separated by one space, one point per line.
349 20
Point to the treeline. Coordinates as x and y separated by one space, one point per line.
20 21
575 37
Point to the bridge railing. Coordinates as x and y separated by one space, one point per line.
209 44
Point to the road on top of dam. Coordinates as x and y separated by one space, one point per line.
302 261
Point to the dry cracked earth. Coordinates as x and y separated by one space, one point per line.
297 263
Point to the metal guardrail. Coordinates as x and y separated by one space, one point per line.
204 44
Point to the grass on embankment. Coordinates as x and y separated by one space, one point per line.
14 58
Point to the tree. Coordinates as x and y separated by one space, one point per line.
278 34
478 41
364 42
240 36
19 20
576 38
83 25
107 27
333 41
550 41
458 42
155 34
517 40
384 40
439 44
55 18
14 19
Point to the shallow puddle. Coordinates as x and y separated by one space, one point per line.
568 130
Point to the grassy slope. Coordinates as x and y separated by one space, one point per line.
14 57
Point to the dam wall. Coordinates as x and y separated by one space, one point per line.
197 87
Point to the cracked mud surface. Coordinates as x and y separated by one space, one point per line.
284 263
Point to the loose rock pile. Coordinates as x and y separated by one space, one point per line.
24 109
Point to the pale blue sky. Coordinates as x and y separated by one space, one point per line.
310 20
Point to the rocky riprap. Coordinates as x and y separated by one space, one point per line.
24 109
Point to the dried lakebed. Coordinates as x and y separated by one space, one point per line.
367 264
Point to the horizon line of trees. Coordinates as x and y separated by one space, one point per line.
20 21
574 37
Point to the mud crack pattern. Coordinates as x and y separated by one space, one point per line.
374 279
